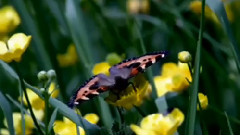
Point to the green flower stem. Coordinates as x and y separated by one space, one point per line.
121 115
229 125
190 68
143 48
22 111
190 124
46 98
140 111
27 99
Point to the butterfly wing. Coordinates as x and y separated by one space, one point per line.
90 89
132 67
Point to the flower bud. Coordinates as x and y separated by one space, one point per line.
113 58
51 74
184 57
42 76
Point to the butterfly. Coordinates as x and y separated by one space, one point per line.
118 78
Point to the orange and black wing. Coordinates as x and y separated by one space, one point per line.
90 89
131 67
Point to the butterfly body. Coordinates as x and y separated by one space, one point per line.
118 79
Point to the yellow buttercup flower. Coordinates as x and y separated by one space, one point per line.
102 67
196 7
92 118
9 20
67 127
14 48
69 58
203 101
159 124
39 114
138 6
174 78
17 123
36 102
130 97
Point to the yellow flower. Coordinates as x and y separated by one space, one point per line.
203 101
36 102
174 78
92 118
129 97
9 20
39 114
196 7
67 127
14 48
136 6
69 58
17 123
159 124
102 67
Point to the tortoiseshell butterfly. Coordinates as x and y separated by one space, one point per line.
118 79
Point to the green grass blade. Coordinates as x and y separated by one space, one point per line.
55 9
69 113
30 26
218 7
190 124
144 51
4 66
18 105
7 111
79 33
229 125
161 104
52 119
34 89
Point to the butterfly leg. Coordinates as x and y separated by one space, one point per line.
131 83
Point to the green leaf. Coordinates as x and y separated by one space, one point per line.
191 117
78 32
18 105
218 7
7 110
8 69
69 113
34 89
30 26
52 120
161 104
229 125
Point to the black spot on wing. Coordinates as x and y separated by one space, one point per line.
91 95
94 86
100 90
134 65
140 69
148 64
152 53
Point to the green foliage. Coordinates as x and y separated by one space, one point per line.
100 27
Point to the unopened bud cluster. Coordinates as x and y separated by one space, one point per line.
44 76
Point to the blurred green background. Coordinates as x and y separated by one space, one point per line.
100 27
